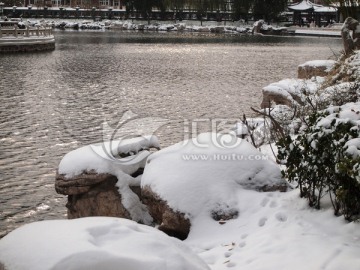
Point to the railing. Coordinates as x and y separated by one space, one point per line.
27 32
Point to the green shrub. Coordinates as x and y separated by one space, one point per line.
319 160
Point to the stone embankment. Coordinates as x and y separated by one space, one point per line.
30 39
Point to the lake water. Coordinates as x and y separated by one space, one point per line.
54 102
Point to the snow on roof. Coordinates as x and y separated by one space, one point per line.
95 243
203 174
324 9
304 5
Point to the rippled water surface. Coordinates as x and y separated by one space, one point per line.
54 102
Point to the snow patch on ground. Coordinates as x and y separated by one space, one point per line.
277 231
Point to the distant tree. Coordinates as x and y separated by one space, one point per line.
268 9
348 8
11 3
241 9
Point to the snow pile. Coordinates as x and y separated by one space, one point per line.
77 25
94 243
204 174
106 158
243 29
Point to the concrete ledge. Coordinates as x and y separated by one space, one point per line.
31 44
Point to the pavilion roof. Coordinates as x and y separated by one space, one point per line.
324 9
307 5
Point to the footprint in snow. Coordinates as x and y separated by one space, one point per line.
227 254
262 221
281 217
244 236
264 202
242 244
273 204
231 264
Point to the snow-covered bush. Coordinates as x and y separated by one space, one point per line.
324 158
341 93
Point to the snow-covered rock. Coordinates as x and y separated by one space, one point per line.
202 175
315 68
257 27
289 91
94 243
101 179
92 194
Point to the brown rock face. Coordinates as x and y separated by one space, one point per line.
172 223
307 72
91 194
270 97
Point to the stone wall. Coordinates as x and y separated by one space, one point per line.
14 45
27 48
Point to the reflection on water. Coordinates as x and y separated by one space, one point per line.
54 102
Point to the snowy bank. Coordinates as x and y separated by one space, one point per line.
277 231
274 230
187 26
